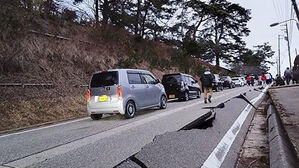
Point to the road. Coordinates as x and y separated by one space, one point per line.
111 140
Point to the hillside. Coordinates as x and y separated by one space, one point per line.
65 54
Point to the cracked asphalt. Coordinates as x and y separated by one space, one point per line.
152 135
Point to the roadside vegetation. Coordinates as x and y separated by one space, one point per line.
63 42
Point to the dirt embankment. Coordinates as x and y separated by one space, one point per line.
66 63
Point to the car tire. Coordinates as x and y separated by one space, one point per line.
198 94
217 89
186 96
96 116
130 110
163 102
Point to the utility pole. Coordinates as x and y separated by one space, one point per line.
287 31
295 8
278 65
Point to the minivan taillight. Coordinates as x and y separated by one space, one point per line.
88 95
119 92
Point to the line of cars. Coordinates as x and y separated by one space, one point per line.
125 91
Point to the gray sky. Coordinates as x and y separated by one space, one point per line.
264 13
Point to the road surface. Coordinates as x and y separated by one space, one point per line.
111 140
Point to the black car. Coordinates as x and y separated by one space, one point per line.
217 83
227 82
181 86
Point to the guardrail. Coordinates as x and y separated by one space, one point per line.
28 85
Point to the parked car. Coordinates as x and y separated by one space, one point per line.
238 81
243 79
227 82
217 83
181 86
123 91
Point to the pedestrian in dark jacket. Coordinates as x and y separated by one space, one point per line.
207 85
288 75
252 81
279 81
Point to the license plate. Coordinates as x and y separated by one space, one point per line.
103 98
171 96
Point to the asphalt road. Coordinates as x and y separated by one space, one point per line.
111 140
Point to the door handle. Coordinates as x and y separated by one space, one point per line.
132 86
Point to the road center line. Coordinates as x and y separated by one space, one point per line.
59 150
218 155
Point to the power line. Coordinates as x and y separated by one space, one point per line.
277 9
291 25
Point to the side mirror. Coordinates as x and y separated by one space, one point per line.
157 81
196 81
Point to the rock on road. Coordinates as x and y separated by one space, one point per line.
111 140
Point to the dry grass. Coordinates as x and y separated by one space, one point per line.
33 58
24 113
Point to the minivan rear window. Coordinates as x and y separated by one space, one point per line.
104 79
172 79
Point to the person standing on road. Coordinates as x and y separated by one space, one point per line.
207 85
252 80
248 79
288 75
263 78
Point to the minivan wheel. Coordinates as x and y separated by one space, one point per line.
163 102
96 116
130 110
186 97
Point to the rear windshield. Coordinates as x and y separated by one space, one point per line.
104 79
173 79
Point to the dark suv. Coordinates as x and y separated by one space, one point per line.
227 82
217 83
182 86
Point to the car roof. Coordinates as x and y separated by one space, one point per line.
126 70
177 74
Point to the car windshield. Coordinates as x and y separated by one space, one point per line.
171 79
104 79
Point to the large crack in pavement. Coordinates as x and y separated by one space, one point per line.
170 149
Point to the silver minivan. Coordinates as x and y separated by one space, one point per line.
123 91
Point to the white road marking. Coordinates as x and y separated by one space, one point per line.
47 154
218 155
40 128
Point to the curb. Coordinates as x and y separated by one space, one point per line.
282 151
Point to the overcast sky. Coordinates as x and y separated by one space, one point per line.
264 13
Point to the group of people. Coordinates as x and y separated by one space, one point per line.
289 74
262 80
207 83
288 77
